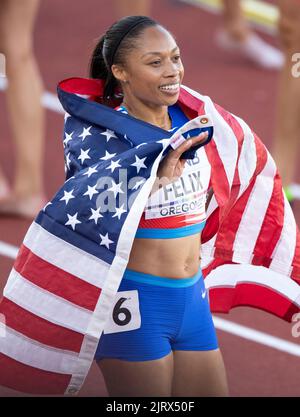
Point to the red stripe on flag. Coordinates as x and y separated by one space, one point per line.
213 265
229 227
56 280
85 86
219 179
261 154
233 123
271 228
239 135
24 378
222 300
191 105
37 328
211 227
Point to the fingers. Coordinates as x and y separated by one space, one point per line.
176 153
171 163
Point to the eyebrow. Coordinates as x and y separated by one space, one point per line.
159 53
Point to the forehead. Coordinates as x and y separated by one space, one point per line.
155 39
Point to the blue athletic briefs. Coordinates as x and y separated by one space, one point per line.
174 314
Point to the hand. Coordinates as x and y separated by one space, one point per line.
171 167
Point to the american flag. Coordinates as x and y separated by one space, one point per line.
63 286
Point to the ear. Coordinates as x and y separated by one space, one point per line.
119 73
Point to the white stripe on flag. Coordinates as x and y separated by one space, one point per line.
62 254
231 275
212 206
248 158
45 304
250 225
284 251
207 250
31 353
224 138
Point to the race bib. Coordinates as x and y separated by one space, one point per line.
185 196
125 314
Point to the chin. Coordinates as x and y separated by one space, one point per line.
173 101
170 101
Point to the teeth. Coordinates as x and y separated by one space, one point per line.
170 87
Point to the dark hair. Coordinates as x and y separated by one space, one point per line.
113 47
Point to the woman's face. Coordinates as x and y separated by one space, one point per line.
153 69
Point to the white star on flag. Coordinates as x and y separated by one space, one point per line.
67 115
84 155
86 132
95 215
138 184
69 179
91 191
105 240
90 171
73 221
67 196
119 212
68 138
116 188
139 163
48 204
108 156
163 141
109 134
114 165
141 144
68 160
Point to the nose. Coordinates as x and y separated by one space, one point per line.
172 69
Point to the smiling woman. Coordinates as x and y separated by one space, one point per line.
142 59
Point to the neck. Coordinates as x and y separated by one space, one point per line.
156 115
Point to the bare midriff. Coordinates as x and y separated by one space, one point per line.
171 258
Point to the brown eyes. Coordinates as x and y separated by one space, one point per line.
157 62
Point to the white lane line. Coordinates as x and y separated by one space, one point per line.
256 336
295 190
49 100
260 14
8 250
